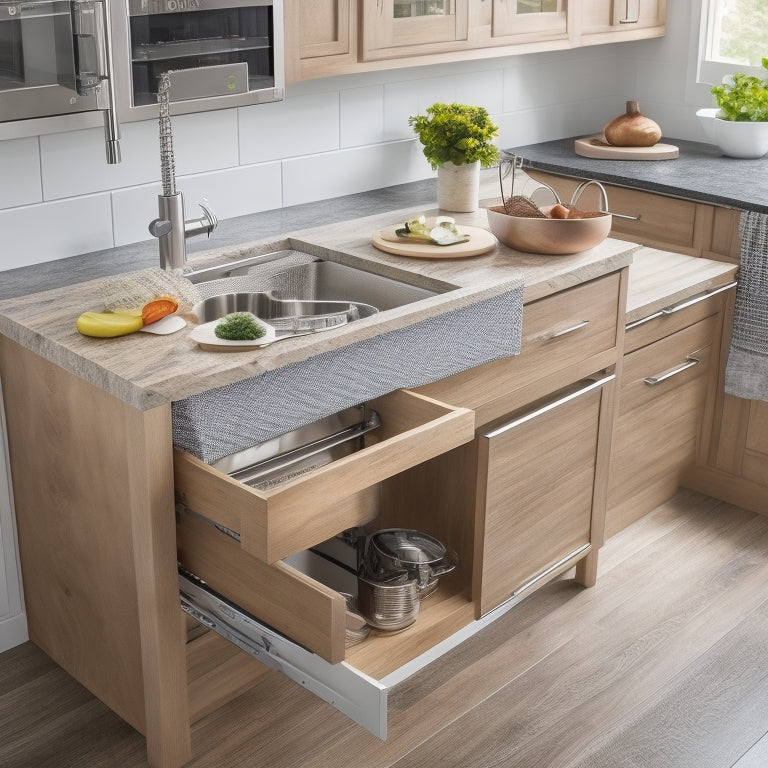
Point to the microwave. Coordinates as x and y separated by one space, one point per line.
55 60
70 64
221 53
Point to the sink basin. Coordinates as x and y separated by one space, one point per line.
291 274
283 314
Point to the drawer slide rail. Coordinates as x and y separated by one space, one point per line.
353 693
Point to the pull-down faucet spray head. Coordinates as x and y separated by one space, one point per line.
170 228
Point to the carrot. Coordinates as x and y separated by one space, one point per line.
158 308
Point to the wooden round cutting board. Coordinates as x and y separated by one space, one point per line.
594 146
480 241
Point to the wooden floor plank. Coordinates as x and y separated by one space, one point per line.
664 663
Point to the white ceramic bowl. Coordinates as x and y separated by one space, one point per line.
548 236
736 139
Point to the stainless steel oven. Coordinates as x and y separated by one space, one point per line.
221 53
65 64
55 59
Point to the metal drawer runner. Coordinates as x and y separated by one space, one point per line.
357 695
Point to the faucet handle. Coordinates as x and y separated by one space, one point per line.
213 220
159 227
202 226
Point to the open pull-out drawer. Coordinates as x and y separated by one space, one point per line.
313 507
296 624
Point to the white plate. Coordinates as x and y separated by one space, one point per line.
204 335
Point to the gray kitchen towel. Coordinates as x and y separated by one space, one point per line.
746 373
227 419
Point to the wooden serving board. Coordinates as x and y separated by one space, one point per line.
480 241
594 146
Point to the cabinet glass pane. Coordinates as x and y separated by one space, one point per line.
408 8
537 6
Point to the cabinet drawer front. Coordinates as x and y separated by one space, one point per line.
300 607
535 485
302 512
562 331
667 362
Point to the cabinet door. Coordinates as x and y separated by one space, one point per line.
395 28
623 18
319 35
529 20
535 488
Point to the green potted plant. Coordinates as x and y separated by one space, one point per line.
739 125
457 141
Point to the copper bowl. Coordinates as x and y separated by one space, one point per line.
550 236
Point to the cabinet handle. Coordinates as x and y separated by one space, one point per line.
565 331
672 308
626 19
652 381
595 384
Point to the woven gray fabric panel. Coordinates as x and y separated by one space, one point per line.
221 421
747 368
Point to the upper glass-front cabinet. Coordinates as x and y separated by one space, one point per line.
530 20
393 28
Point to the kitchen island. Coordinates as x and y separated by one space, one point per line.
103 500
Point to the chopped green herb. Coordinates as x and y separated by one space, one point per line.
239 326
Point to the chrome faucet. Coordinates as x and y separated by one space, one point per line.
171 228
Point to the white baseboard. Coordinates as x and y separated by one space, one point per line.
13 631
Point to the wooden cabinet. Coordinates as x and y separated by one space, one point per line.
535 488
319 33
612 20
396 28
538 465
332 37
668 378
526 21
673 224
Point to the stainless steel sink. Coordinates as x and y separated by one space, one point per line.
284 314
290 274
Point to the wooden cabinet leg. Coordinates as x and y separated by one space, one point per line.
586 569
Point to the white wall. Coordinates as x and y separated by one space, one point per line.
329 137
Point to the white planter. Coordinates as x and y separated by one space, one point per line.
735 139
458 187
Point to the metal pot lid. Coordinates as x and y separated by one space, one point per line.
407 546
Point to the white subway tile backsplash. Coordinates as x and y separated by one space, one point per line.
204 142
38 233
228 193
352 170
482 89
362 116
299 126
20 175
75 163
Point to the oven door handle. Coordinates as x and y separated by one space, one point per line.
95 70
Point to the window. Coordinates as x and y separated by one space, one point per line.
733 38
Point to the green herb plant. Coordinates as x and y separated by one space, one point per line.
239 326
456 133
745 99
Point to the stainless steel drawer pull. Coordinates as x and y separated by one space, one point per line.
593 384
670 310
652 381
566 331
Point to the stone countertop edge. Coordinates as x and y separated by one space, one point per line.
147 370
701 173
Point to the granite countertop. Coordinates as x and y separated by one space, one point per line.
147 370
701 172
